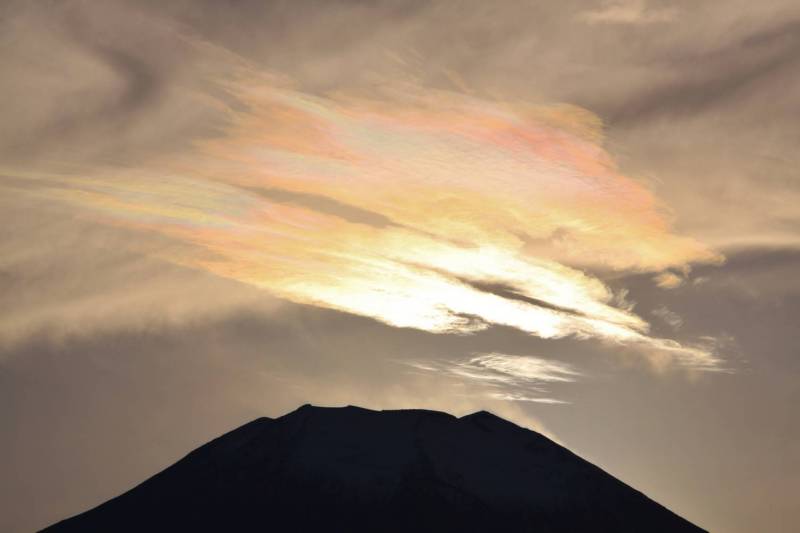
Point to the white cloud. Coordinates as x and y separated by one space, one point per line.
522 398
671 318
526 368
628 12
509 377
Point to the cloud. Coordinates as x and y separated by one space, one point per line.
402 205
326 205
673 319
96 84
522 398
156 184
628 12
64 277
668 280
526 368
507 377
705 80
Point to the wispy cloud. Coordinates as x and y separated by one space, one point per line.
527 368
509 377
522 398
404 205
628 12
669 317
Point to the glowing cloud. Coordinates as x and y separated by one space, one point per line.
419 208
668 280
509 377
526 367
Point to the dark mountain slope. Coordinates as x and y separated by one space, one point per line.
352 469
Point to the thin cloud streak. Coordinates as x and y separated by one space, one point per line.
628 12
522 398
508 377
527 367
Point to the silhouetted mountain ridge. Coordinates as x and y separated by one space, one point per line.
354 469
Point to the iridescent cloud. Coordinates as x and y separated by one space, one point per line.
420 208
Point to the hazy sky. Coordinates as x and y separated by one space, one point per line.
582 216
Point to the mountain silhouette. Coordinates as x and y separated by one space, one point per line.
356 470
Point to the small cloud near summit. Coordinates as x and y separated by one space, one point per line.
628 12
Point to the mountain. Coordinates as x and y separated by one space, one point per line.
352 469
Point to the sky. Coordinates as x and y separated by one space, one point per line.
581 216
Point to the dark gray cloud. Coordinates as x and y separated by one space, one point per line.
717 78
101 84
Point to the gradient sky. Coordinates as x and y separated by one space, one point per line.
582 216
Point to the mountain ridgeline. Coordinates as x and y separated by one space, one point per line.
356 470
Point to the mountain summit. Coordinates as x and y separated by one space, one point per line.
352 469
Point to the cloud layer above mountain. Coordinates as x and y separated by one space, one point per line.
418 207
